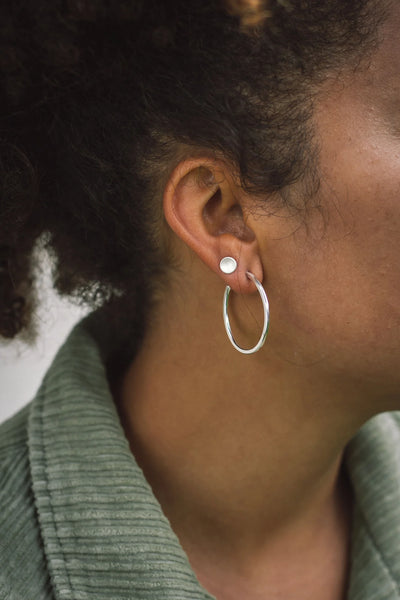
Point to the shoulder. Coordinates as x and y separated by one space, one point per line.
22 564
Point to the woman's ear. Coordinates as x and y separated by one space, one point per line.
207 210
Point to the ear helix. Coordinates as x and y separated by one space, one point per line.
229 265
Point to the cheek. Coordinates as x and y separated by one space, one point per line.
363 207
336 282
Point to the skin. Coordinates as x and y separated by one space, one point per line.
244 453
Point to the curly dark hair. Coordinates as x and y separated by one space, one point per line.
99 101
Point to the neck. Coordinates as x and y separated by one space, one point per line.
243 453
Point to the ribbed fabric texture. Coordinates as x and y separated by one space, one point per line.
22 562
78 520
373 463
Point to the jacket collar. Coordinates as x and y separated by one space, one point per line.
105 535
373 464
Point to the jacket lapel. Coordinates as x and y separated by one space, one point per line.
104 533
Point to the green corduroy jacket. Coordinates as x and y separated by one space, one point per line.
78 520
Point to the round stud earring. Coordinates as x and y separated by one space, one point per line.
228 265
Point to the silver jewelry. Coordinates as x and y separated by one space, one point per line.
228 265
227 324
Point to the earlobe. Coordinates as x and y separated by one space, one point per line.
204 207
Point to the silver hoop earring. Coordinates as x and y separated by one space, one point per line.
265 304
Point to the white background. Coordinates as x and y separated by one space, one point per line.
22 367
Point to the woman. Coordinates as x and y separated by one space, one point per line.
168 154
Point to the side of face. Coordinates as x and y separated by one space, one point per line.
334 276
